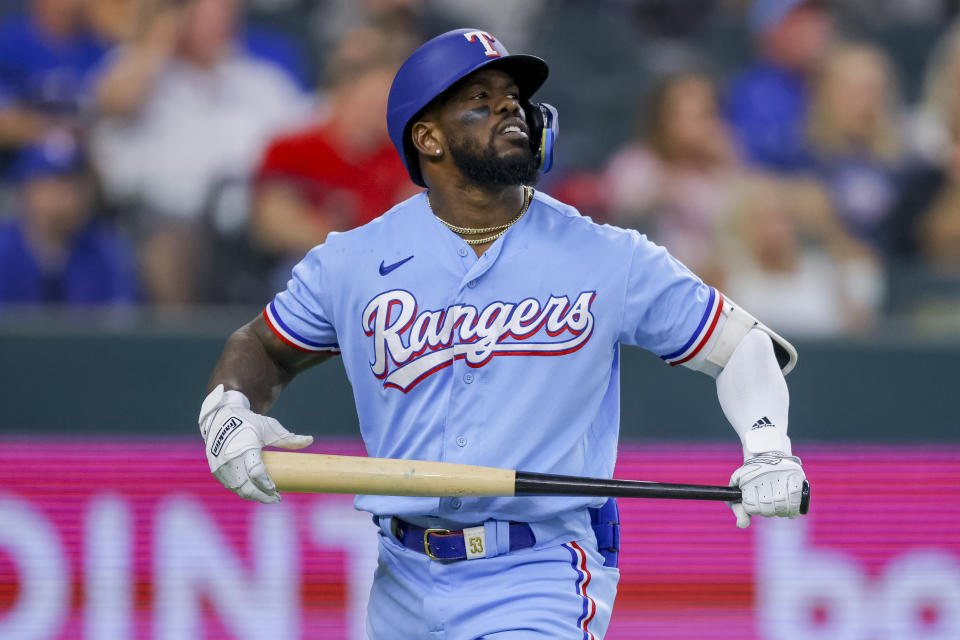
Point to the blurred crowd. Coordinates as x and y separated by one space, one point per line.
801 155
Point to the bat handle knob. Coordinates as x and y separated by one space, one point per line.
805 498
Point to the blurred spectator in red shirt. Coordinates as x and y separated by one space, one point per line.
767 103
183 111
54 250
343 171
854 134
47 56
673 181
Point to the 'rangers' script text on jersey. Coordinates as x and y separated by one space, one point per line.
420 345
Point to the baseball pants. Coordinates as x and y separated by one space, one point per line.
561 591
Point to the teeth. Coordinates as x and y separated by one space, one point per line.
512 129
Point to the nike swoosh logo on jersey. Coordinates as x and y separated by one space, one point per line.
384 270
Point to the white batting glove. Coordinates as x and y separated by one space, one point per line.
771 483
234 436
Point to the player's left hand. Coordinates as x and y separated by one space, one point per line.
771 484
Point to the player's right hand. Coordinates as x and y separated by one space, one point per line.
771 484
234 436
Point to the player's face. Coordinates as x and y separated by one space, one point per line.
488 138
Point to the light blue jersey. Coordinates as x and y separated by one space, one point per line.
509 360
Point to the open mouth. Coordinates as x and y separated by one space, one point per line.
514 131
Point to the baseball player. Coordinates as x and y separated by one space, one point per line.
480 322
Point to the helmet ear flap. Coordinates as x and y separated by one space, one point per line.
544 123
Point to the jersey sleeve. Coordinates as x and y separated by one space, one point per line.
667 309
300 315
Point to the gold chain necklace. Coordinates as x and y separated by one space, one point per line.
501 229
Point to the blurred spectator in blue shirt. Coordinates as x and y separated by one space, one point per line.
54 251
46 59
767 103
854 134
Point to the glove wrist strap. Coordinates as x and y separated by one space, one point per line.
217 398
771 457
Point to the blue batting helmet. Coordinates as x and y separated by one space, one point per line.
441 62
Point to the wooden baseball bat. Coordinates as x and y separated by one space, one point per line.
323 473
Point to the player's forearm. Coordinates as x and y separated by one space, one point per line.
754 396
246 366
257 363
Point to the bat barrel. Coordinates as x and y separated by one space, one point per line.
544 484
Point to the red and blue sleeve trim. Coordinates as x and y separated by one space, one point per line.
289 336
708 322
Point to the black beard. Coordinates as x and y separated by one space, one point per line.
484 167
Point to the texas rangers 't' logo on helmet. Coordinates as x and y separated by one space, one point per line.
486 39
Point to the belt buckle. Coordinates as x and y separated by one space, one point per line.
426 541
